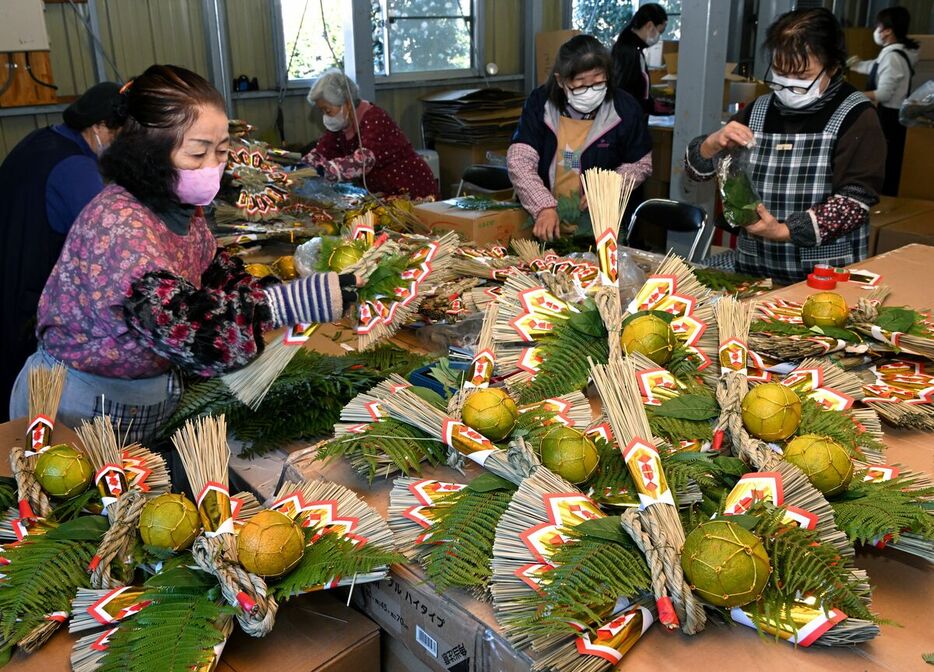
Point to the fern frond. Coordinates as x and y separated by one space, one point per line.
329 557
676 429
590 575
177 632
611 481
870 510
466 528
564 365
802 565
7 492
387 447
43 575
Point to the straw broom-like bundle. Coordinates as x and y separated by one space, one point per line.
96 607
122 503
410 518
481 268
865 315
45 393
607 193
202 446
734 318
479 298
527 249
251 383
480 371
656 527
145 469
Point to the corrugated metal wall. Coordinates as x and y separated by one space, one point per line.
138 33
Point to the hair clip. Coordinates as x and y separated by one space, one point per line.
126 87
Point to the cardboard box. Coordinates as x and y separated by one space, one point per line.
671 64
546 51
313 633
917 229
918 164
454 159
890 210
480 226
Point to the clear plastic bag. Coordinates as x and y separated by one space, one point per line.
918 108
306 257
739 195
631 277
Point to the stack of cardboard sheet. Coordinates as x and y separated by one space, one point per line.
471 116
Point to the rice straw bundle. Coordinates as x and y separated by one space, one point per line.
480 371
45 393
607 193
733 317
251 384
527 249
479 298
329 507
481 268
145 469
93 608
865 315
656 527
122 503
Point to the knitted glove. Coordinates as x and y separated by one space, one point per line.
317 298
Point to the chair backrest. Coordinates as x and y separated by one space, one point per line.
662 214
491 178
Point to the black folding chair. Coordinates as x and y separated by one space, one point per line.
486 177
656 218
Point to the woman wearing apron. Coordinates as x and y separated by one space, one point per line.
817 154
890 83
576 121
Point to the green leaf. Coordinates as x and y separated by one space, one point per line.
488 482
429 395
588 321
839 333
896 319
607 528
689 407
181 577
744 520
928 658
85 528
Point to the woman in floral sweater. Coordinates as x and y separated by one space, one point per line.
364 143
140 289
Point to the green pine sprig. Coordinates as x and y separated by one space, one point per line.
329 557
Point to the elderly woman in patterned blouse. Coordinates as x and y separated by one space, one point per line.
140 289
363 143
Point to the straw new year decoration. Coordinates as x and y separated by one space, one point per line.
734 317
656 527
122 504
251 383
202 446
45 392
607 193
481 367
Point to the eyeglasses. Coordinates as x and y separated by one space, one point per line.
598 86
800 90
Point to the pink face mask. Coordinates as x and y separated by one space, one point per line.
199 186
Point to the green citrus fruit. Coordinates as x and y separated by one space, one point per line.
270 544
492 412
169 521
825 309
726 564
343 257
825 462
569 453
63 471
771 411
651 336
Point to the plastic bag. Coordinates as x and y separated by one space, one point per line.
740 198
918 108
306 257
631 277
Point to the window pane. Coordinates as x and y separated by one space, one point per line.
378 23
420 8
417 45
673 30
320 45
603 19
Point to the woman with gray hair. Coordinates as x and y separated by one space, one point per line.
363 142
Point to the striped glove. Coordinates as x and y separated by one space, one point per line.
317 298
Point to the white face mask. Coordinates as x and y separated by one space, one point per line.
585 102
653 39
793 100
877 37
100 145
335 123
